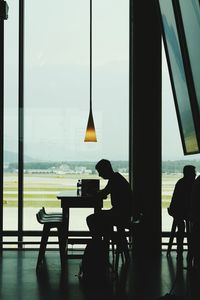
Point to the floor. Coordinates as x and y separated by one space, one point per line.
142 279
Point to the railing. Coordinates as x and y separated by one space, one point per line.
75 238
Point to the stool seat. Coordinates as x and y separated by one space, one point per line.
56 214
50 221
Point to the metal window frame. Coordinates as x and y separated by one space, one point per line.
1 122
187 66
21 123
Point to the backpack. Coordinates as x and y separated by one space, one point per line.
94 268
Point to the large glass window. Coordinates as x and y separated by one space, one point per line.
56 102
56 89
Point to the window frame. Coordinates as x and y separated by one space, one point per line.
187 72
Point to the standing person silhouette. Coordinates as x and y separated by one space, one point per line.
180 205
195 224
100 224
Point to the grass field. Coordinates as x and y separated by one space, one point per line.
41 189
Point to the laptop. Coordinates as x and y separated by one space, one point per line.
89 187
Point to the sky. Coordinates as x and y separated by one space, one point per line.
56 94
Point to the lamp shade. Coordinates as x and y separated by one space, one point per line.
90 135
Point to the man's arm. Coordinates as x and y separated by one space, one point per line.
104 192
175 199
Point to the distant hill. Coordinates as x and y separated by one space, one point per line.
12 157
168 166
176 166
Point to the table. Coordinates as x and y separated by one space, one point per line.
70 199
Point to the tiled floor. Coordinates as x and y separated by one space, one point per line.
143 279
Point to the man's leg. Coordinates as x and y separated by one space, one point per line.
189 242
180 236
196 246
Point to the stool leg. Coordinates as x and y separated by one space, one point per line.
116 263
189 241
62 245
122 248
125 247
113 250
43 244
124 244
130 239
112 239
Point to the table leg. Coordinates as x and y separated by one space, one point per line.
63 237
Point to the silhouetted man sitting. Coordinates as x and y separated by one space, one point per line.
100 224
180 204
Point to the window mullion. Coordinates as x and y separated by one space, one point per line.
21 123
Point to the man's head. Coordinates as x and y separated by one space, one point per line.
104 168
189 171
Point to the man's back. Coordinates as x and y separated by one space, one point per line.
121 193
180 203
195 201
181 199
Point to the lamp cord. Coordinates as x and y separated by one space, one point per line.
90 55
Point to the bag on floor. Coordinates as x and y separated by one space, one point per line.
94 268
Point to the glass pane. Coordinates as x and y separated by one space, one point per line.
11 119
179 80
56 87
111 76
191 20
57 99
170 136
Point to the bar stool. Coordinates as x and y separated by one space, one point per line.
122 250
50 221
119 237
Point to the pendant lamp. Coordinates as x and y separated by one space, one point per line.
90 135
